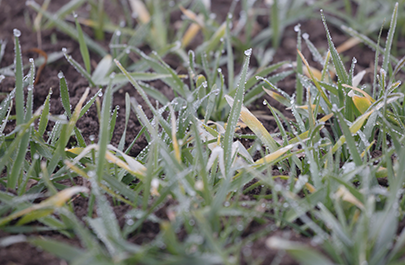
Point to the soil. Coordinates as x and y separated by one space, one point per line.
14 14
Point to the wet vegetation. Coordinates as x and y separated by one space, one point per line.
197 153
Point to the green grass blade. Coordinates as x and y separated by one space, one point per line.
19 92
104 132
200 162
21 140
9 108
83 46
229 52
314 51
235 113
390 37
79 137
299 89
127 113
2 49
275 24
64 94
5 105
159 23
99 29
139 76
14 177
78 67
89 103
64 134
30 88
57 248
351 143
113 120
337 61
264 72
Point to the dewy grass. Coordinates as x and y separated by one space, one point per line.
195 170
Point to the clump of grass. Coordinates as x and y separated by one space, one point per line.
331 186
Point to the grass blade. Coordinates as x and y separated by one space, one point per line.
19 93
235 113
388 43
57 248
78 67
83 46
229 53
104 133
64 94
43 121
337 62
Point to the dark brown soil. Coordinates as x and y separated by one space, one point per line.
13 15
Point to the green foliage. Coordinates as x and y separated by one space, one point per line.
197 170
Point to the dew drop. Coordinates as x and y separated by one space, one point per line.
64 50
305 36
226 204
118 33
31 60
264 102
248 52
100 94
112 75
297 27
16 33
60 75
92 138
74 15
